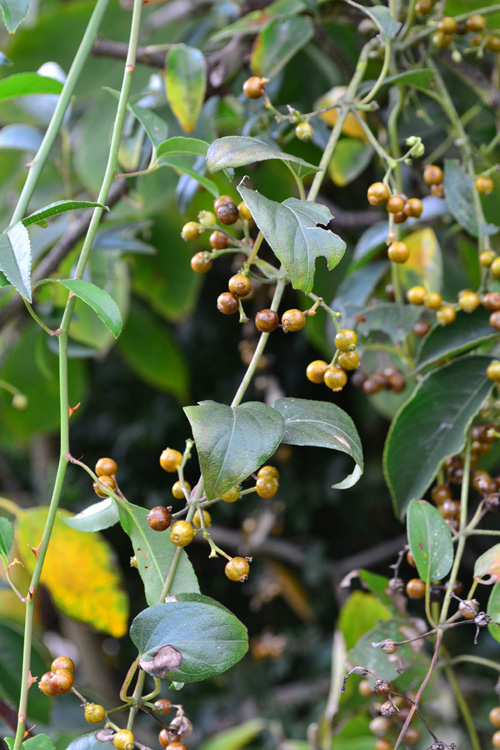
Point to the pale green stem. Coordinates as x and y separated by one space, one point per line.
475 660
464 708
58 116
382 76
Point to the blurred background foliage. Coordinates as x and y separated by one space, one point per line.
176 349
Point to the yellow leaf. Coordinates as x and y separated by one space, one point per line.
351 125
79 571
424 266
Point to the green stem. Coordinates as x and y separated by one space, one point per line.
137 695
336 680
39 320
475 660
382 76
464 708
57 118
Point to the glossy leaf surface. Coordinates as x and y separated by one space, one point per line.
232 442
238 151
323 425
297 233
431 426
100 301
96 517
430 541
54 209
468 331
15 259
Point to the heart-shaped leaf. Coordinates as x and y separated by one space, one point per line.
487 567
431 426
324 425
232 442
186 83
238 151
54 209
297 233
278 43
430 541
96 517
100 301
15 258
203 639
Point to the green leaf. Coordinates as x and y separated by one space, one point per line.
180 165
236 737
394 320
378 585
100 301
155 127
23 84
349 160
259 19
431 426
96 517
207 640
54 209
323 425
90 742
420 78
14 11
278 43
358 286
487 567
232 442
186 83
6 537
15 258
459 198
360 614
493 610
182 146
154 552
296 231
381 16
238 151
38 742
468 331
152 353
11 655
430 541
374 659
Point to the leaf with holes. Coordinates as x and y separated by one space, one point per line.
238 151
232 442
54 209
297 233
188 641
100 301
430 541
186 83
278 43
487 567
15 258
323 425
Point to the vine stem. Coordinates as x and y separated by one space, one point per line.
63 345
57 118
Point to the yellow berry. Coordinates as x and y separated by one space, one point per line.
123 740
231 495
177 490
170 460
94 713
206 517
181 533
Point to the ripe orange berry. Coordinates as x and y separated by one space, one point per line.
416 295
395 204
227 303
159 518
335 378
191 230
107 482
398 252
177 490
253 87
345 339
266 486
348 360
413 207
446 315
240 285
433 300
268 471
415 588
106 467
206 518
201 262
316 370
170 460
162 706
433 175
123 740
231 495
293 320
484 185
218 240
63 662
378 194
237 569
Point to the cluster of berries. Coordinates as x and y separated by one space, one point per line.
334 375
391 709
389 379
448 28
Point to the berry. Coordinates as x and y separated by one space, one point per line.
227 303
254 87
63 662
177 490
162 706
227 213
218 240
440 493
191 230
423 7
163 738
491 301
380 725
383 743
468 301
61 680
398 252
493 44
240 285
237 569
412 736
476 40
381 687
440 40
123 740
476 22
304 131
266 486
170 460
395 204
494 320
484 185
232 495
107 482
106 467
450 509
206 219
410 559
492 503
201 262
244 211
421 328
20 401
433 175
495 740
416 295
45 685
415 588
266 321
181 534
378 194
348 360
268 471
316 370
447 25
446 315
413 207
437 191
433 300
293 320
345 339
493 371
364 688
399 218
176 746
159 518
494 716
94 713
221 200
486 258
206 518
335 378
388 646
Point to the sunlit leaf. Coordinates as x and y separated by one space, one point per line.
23 84
349 160
360 614
99 300
234 738
186 83
425 264
351 126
